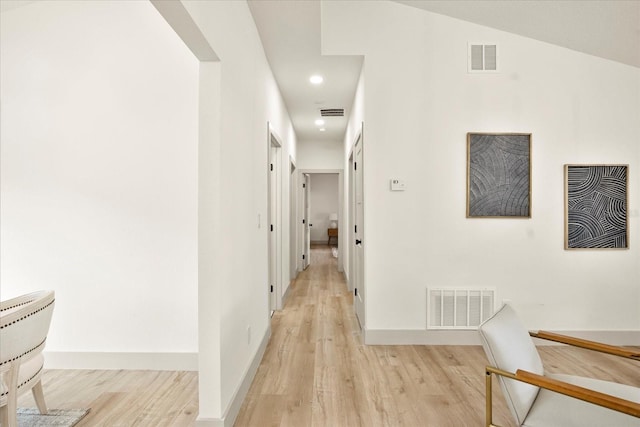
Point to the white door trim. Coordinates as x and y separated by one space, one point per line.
357 270
306 231
350 235
274 218
293 219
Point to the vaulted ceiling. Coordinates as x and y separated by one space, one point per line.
290 32
608 29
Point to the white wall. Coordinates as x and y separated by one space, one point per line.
209 229
354 129
100 193
99 174
249 99
324 201
320 155
420 103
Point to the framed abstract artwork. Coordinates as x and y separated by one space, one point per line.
498 175
596 207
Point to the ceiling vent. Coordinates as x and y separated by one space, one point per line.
332 112
482 58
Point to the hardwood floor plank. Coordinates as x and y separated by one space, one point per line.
317 372
122 398
357 385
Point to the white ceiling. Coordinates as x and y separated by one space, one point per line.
12 4
290 33
606 28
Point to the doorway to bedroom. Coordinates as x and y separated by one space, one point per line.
321 209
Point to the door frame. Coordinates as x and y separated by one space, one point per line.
350 235
351 158
293 219
341 237
304 223
274 218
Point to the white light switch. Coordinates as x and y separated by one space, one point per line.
398 185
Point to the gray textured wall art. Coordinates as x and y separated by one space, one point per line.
596 210
498 175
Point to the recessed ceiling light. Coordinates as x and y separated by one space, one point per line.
319 122
316 79
322 129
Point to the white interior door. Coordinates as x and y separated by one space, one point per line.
306 188
358 233
273 241
350 229
274 223
293 221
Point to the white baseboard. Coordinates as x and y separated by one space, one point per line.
420 337
231 413
286 293
471 337
346 280
241 392
120 360
209 422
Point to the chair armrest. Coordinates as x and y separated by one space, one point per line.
590 345
591 396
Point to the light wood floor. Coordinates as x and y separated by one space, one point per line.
316 372
123 398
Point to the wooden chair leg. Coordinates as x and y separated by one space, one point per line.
38 396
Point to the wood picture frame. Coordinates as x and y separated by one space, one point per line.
498 175
596 206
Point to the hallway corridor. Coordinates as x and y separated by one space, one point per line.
316 372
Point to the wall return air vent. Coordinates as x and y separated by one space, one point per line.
482 58
458 308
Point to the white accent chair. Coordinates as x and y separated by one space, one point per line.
24 324
551 400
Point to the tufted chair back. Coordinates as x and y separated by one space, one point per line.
24 325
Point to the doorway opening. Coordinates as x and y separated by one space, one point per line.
293 215
306 225
274 221
321 207
356 232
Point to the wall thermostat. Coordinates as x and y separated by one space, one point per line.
398 185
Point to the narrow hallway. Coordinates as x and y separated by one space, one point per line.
316 372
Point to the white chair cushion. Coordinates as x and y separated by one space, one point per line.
28 370
509 347
553 409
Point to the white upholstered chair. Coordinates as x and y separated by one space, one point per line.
536 398
24 324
